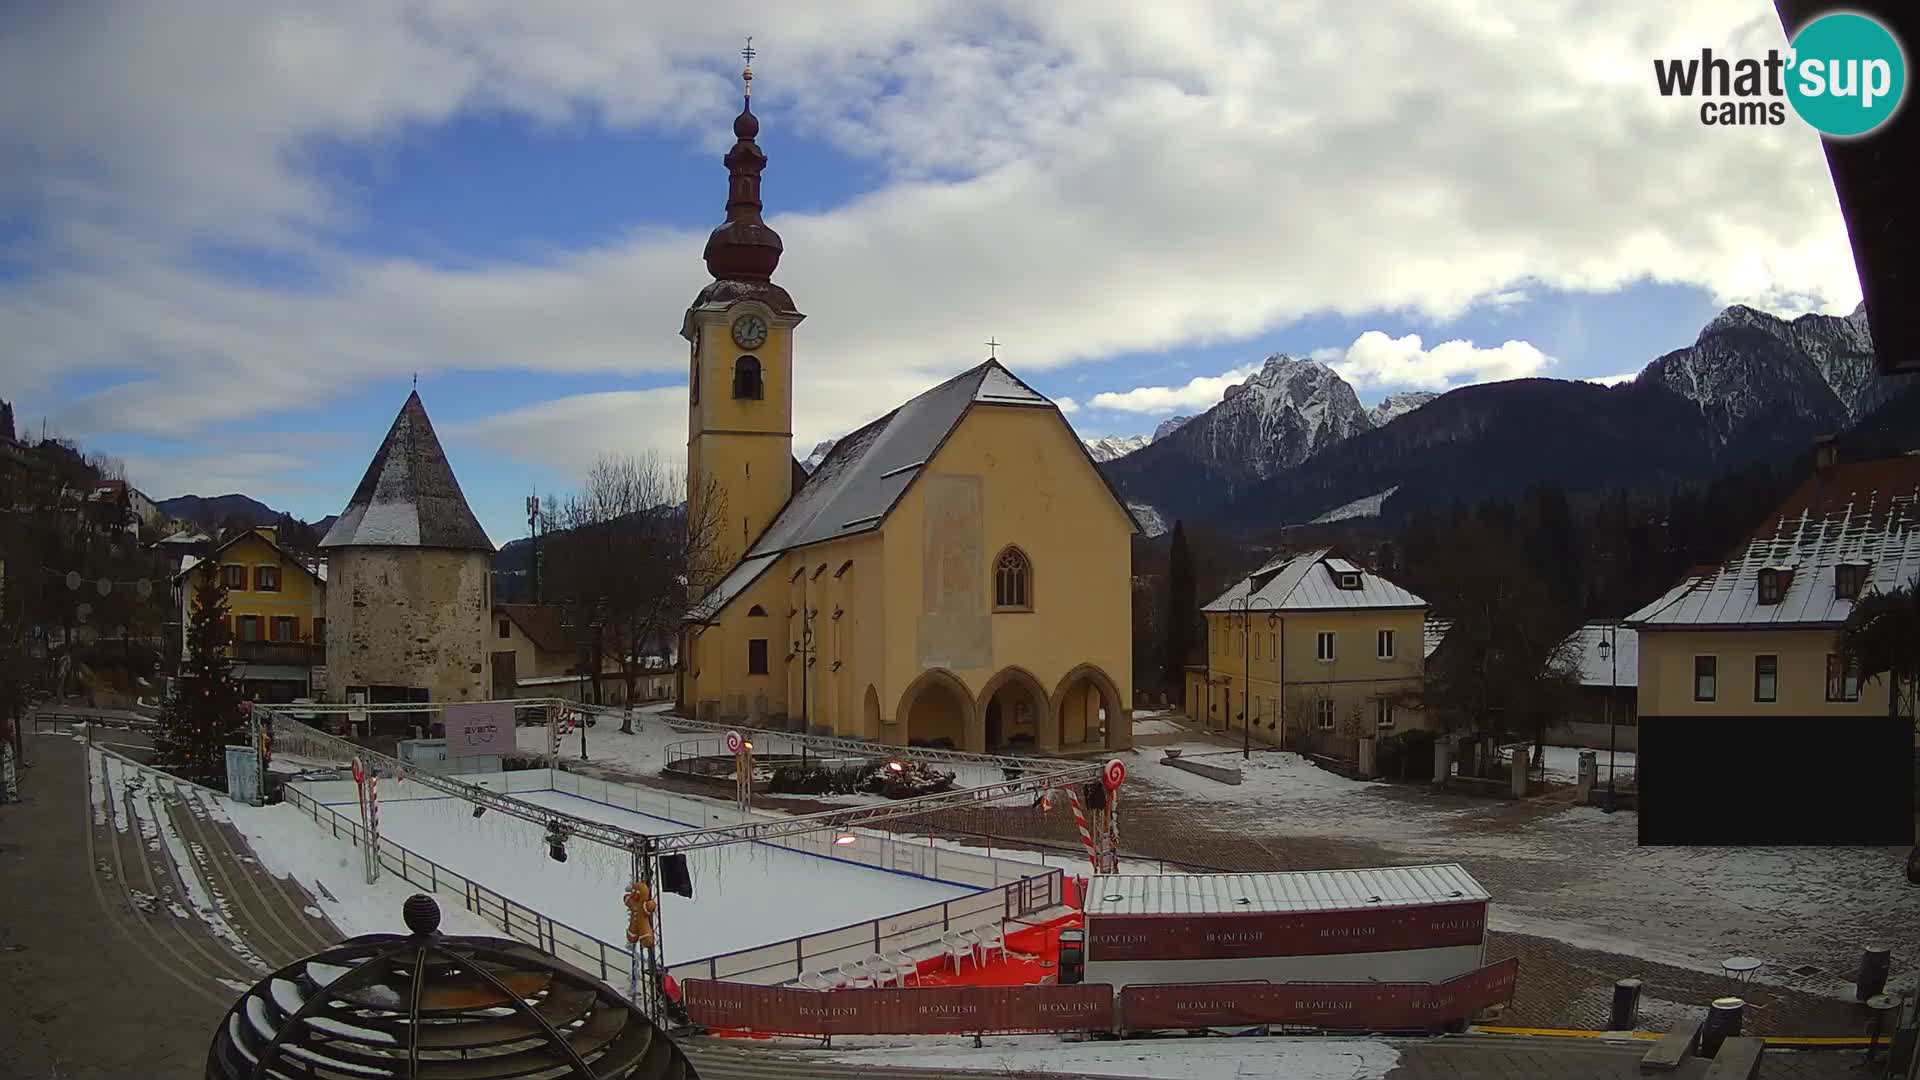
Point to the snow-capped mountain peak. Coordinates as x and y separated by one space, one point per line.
1169 426
1398 405
1114 446
820 451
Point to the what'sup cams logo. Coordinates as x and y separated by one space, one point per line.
1845 74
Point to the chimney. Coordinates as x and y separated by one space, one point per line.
1826 453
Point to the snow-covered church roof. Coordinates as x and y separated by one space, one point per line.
408 497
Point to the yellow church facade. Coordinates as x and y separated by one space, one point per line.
956 573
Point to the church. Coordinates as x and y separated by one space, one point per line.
957 573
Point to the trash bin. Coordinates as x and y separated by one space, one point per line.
1723 1023
1872 979
1626 1005
1073 956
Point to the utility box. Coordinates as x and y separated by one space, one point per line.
243 774
430 755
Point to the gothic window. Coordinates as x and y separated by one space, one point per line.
1012 581
756 612
746 378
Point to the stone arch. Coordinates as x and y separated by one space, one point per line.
870 714
1080 693
938 705
1012 689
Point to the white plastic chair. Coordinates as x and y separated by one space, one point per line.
904 967
879 970
955 946
814 980
992 940
855 976
971 939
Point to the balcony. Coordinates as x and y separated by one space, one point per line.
296 653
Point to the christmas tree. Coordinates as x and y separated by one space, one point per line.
203 717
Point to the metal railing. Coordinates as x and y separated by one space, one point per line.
605 959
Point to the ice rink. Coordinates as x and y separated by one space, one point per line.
743 894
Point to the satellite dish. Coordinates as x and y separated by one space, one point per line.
103 586
73 580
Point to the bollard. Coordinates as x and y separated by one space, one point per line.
1626 1005
1872 979
1723 1023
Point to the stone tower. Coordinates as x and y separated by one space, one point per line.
408 567
740 375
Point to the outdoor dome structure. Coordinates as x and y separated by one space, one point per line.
423 1005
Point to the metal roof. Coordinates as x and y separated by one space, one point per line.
855 486
742 575
1306 583
409 497
1312 890
1878 531
1435 633
1622 669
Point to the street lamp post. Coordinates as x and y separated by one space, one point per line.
1246 605
1610 652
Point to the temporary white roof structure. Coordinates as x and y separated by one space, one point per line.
1314 890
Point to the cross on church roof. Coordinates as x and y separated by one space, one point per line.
746 76
993 348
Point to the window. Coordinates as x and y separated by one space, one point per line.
1705 670
506 629
1384 644
757 656
756 612
319 631
1847 580
1769 586
1349 581
233 577
1012 582
1323 645
1766 678
284 628
1843 678
248 627
1323 713
266 579
1383 712
746 378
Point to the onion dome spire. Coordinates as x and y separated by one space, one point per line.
743 248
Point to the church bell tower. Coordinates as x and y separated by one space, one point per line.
740 371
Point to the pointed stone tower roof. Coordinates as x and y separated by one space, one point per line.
409 498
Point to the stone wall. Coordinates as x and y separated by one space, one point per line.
407 617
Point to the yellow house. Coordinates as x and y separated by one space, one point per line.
957 572
1756 635
1311 648
276 611
529 641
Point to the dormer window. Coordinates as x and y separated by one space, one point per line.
1349 581
746 378
1848 580
1773 583
1345 574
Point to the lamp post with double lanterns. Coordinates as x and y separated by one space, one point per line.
1610 652
1245 606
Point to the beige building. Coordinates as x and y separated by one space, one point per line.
1310 650
957 572
408 573
1755 636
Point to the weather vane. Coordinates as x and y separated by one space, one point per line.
746 76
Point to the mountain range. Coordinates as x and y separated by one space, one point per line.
1292 445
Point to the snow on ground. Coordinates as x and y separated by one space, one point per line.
1563 762
289 844
745 894
1268 775
1154 726
1171 1059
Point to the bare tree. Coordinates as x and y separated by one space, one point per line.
626 553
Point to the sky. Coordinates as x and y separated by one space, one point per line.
233 234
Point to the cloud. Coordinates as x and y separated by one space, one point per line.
1374 359
1066 404
1615 380
1197 394
1415 159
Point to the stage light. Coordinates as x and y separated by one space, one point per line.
846 838
478 810
896 766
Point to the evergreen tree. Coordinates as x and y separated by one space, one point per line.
1182 605
202 718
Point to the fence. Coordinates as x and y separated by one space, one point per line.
1329 744
1008 889
945 1010
1337 1006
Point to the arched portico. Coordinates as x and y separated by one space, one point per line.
937 706
1089 712
1013 713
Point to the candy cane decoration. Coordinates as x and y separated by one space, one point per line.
1080 822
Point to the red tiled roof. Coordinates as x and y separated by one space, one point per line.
1856 484
543 624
